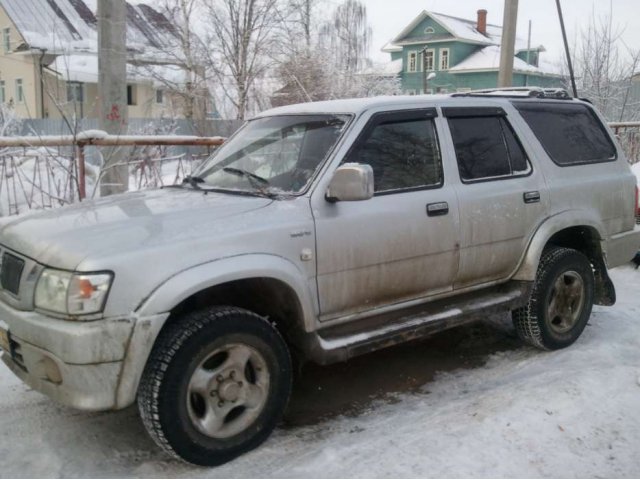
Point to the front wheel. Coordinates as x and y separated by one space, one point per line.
215 385
560 303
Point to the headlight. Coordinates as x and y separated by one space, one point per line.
72 293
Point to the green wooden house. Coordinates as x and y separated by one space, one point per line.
463 54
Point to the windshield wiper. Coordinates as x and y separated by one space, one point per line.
193 181
259 183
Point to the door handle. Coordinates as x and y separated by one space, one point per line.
531 197
437 209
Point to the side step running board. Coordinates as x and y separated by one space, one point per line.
346 341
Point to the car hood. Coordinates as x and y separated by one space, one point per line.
63 237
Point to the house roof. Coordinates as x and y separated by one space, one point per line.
63 26
83 67
488 58
460 28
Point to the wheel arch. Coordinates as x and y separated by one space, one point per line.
268 285
577 231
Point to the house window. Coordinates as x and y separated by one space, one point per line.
19 91
6 39
413 62
3 97
159 96
131 95
75 92
429 30
444 59
429 60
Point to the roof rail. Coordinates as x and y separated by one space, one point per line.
518 92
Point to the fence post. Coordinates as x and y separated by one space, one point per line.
82 185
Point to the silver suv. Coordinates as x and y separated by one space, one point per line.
319 232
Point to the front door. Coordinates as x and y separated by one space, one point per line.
401 244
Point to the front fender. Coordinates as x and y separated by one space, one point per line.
189 282
528 267
153 312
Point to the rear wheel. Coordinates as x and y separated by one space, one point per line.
561 301
215 386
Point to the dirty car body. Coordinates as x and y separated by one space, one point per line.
423 231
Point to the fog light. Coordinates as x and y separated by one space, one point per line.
51 371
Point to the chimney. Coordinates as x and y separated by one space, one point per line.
482 21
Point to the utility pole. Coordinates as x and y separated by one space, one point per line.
566 50
424 70
507 46
112 91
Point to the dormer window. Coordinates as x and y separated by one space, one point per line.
429 30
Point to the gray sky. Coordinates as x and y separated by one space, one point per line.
389 17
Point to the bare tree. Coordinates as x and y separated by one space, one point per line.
182 71
604 68
336 63
348 36
241 43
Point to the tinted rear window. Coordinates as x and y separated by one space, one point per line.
569 132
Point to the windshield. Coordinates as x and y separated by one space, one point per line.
276 154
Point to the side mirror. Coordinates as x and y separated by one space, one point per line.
351 182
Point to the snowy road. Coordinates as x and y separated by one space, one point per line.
498 409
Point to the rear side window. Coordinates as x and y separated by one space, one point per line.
570 133
486 148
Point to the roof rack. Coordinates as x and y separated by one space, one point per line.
518 92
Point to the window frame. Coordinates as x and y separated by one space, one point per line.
416 67
442 56
595 117
431 51
487 112
19 84
3 91
160 92
132 95
428 113
6 39
75 87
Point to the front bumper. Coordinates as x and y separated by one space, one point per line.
87 365
86 387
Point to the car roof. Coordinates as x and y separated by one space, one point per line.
359 105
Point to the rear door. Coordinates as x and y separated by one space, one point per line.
502 196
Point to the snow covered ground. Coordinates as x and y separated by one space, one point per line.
523 413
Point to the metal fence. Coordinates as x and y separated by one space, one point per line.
49 171
628 134
46 171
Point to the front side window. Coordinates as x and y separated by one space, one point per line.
159 96
278 154
402 149
3 97
570 133
486 148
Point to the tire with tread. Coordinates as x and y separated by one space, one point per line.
162 395
531 321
